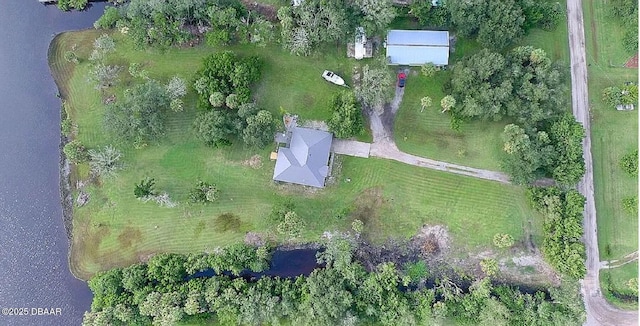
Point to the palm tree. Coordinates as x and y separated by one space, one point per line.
425 102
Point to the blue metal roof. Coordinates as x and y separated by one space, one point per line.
415 48
306 160
432 38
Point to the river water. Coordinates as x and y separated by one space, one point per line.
33 246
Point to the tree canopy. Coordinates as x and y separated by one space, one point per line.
346 117
139 118
524 85
164 291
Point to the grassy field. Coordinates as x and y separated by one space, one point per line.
478 144
613 135
394 200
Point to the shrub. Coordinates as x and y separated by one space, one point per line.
346 117
503 240
145 188
203 192
108 19
279 210
417 270
489 267
75 152
629 163
630 205
105 162
291 226
429 69
71 56
66 126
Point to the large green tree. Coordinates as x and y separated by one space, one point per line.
140 117
524 85
374 89
495 23
260 129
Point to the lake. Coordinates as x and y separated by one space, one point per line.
34 273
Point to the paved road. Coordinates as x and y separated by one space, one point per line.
599 311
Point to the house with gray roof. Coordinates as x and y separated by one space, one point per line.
415 48
306 159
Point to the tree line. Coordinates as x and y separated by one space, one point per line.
562 243
343 292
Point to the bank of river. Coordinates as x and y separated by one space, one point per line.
34 271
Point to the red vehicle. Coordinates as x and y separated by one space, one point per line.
402 77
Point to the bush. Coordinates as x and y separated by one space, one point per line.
416 271
66 126
106 162
145 188
630 205
629 163
75 152
203 192
108 19
429 69
279 210
503 240
489 267
291 226
71 56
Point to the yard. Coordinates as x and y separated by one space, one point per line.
614 134
478 144
394 200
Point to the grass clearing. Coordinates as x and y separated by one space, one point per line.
478 144
614 285
614 133
115 229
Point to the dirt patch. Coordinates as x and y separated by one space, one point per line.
528 269
257 239
129 236
255 162
397 251
367 206
432 240
315 124
632 62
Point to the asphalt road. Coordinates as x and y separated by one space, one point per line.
599 311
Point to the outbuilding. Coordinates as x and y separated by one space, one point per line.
417 47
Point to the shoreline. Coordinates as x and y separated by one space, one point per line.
66 196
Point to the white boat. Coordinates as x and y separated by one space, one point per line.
333 78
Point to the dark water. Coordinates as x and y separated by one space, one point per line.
33 246
284 263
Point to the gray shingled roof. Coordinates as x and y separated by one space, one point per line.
306 160
416 48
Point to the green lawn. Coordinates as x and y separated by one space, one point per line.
613 135
614 285
393 199
478 144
